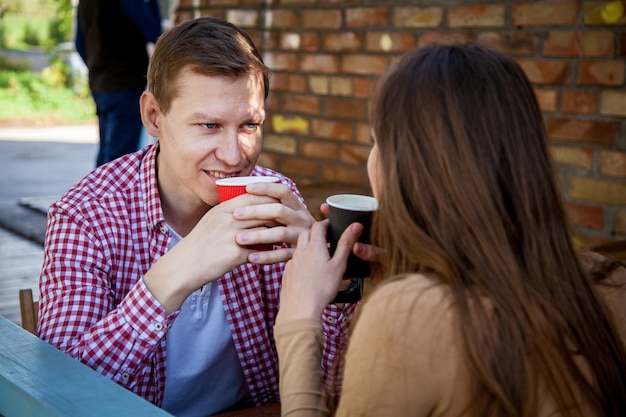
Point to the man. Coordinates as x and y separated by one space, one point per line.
146 278
112 37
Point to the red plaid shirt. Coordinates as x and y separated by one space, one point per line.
102 237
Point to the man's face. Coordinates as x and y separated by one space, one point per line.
212 130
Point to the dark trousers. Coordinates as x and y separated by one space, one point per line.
119 121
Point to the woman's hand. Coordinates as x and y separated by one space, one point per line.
361 250
312 278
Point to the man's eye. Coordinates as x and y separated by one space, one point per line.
209 125
250 126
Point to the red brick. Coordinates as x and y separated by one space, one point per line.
281 18
363 87
297 166
444 37
354 154
343 174
341 86
476 16
281 61
364 133
513 43
279 81
389 41
297 103
578 130
272 104
364 64
243 18
283 144
572 43
417 17
613 103
329 129
545 13
319 84
613 163
323 63
580 157
298 83
345 108
620 222
269 160
318 149
544 71
321 19
368 17
546 98
600 191
591 217
342 41
306 41
608 73
579 102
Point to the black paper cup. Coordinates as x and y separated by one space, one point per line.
345 209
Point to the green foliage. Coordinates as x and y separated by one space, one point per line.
41 23
33 34
13 65
54 94
33 96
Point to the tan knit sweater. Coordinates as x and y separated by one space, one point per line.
402 359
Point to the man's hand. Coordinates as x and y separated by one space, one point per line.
285 218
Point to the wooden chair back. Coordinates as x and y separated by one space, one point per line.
29 310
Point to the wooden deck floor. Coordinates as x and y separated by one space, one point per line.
20 265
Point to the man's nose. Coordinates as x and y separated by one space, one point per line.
230 150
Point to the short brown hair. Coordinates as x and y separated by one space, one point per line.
208 46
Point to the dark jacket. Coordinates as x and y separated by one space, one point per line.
111 37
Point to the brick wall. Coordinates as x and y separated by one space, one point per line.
327 54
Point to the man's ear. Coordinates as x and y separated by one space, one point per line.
150 112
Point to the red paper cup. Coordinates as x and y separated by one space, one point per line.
232 187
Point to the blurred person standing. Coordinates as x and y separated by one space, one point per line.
113 37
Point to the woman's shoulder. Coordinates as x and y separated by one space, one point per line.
417 291
406 334
410 305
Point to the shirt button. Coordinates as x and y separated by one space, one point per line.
330 319
125 376
158 327
163 229
345 319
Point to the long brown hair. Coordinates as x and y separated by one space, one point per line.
468 193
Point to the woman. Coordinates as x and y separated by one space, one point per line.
485 308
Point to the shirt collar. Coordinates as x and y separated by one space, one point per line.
150 188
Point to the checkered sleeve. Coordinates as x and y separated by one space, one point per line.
81 312
335 322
